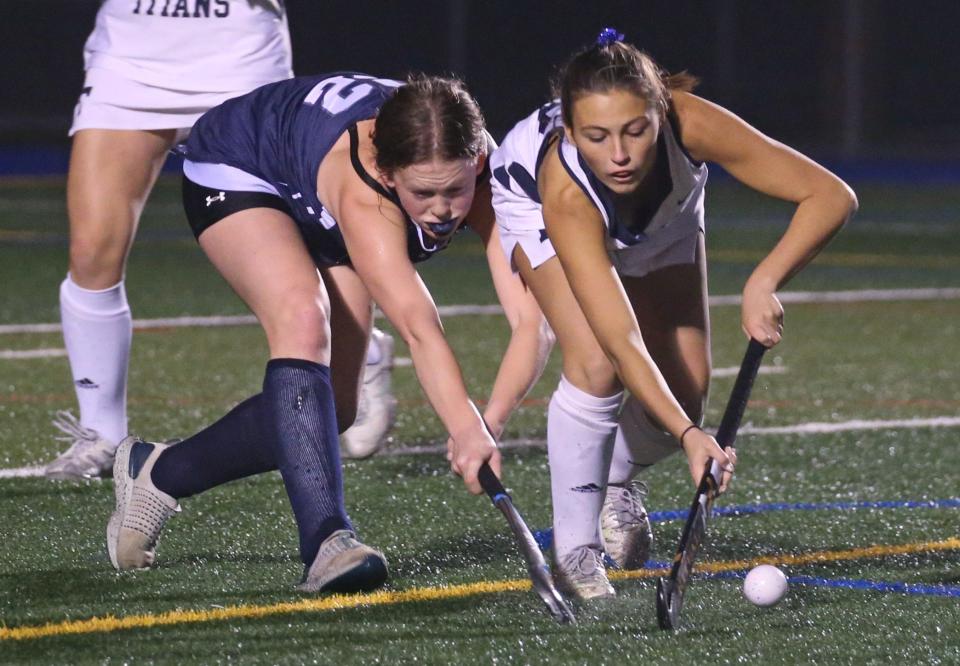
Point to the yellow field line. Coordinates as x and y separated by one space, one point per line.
808 558
340 602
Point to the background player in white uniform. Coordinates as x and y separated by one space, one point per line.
152 68
600 209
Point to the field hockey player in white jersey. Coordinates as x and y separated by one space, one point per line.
599 199
152 68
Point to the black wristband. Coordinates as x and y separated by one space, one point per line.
686 430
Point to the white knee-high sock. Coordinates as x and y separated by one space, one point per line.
638 443
580 429
97 328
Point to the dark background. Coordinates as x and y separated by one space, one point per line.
847 80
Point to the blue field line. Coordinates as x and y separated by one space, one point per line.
544 538
878 586
746 509
920 589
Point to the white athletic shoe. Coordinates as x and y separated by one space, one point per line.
142 508
90 456
580 574
376 410
625 525
344 565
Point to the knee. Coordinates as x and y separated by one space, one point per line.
298 326
593 374
97 257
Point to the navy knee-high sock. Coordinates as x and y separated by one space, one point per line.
236 446
302 417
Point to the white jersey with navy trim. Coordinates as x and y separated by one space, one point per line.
192 45
667 237
514 164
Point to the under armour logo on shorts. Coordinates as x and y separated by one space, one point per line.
220 197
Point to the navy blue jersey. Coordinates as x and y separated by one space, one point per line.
282 131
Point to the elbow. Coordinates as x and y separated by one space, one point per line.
622 348
538 329
530 323
534 324
545 334
419 337
419 329
850 202
834 203
844 201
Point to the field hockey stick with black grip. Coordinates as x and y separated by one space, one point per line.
539 572
670 590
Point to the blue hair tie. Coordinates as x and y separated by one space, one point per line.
608 36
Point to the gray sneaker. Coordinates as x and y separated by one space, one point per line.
90 456
580 574
377 407
344 565
625 525
142 508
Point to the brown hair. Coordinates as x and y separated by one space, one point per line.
612 64
428 117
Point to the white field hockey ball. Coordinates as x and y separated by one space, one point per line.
765 585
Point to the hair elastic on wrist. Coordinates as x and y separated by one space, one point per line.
608 36
692 426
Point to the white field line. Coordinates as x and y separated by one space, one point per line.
400 362
847 426
798 429
18 354
404 362
857 296
764 370
21 473
144 324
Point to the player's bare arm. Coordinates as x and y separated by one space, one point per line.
824 202
375 238
578 235
530 340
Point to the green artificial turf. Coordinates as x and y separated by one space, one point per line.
237 545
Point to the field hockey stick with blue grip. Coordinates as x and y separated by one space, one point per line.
539 572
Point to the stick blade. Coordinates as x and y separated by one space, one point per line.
540 577
668 604
556 604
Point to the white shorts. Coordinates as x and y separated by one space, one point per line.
113 101
520 222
